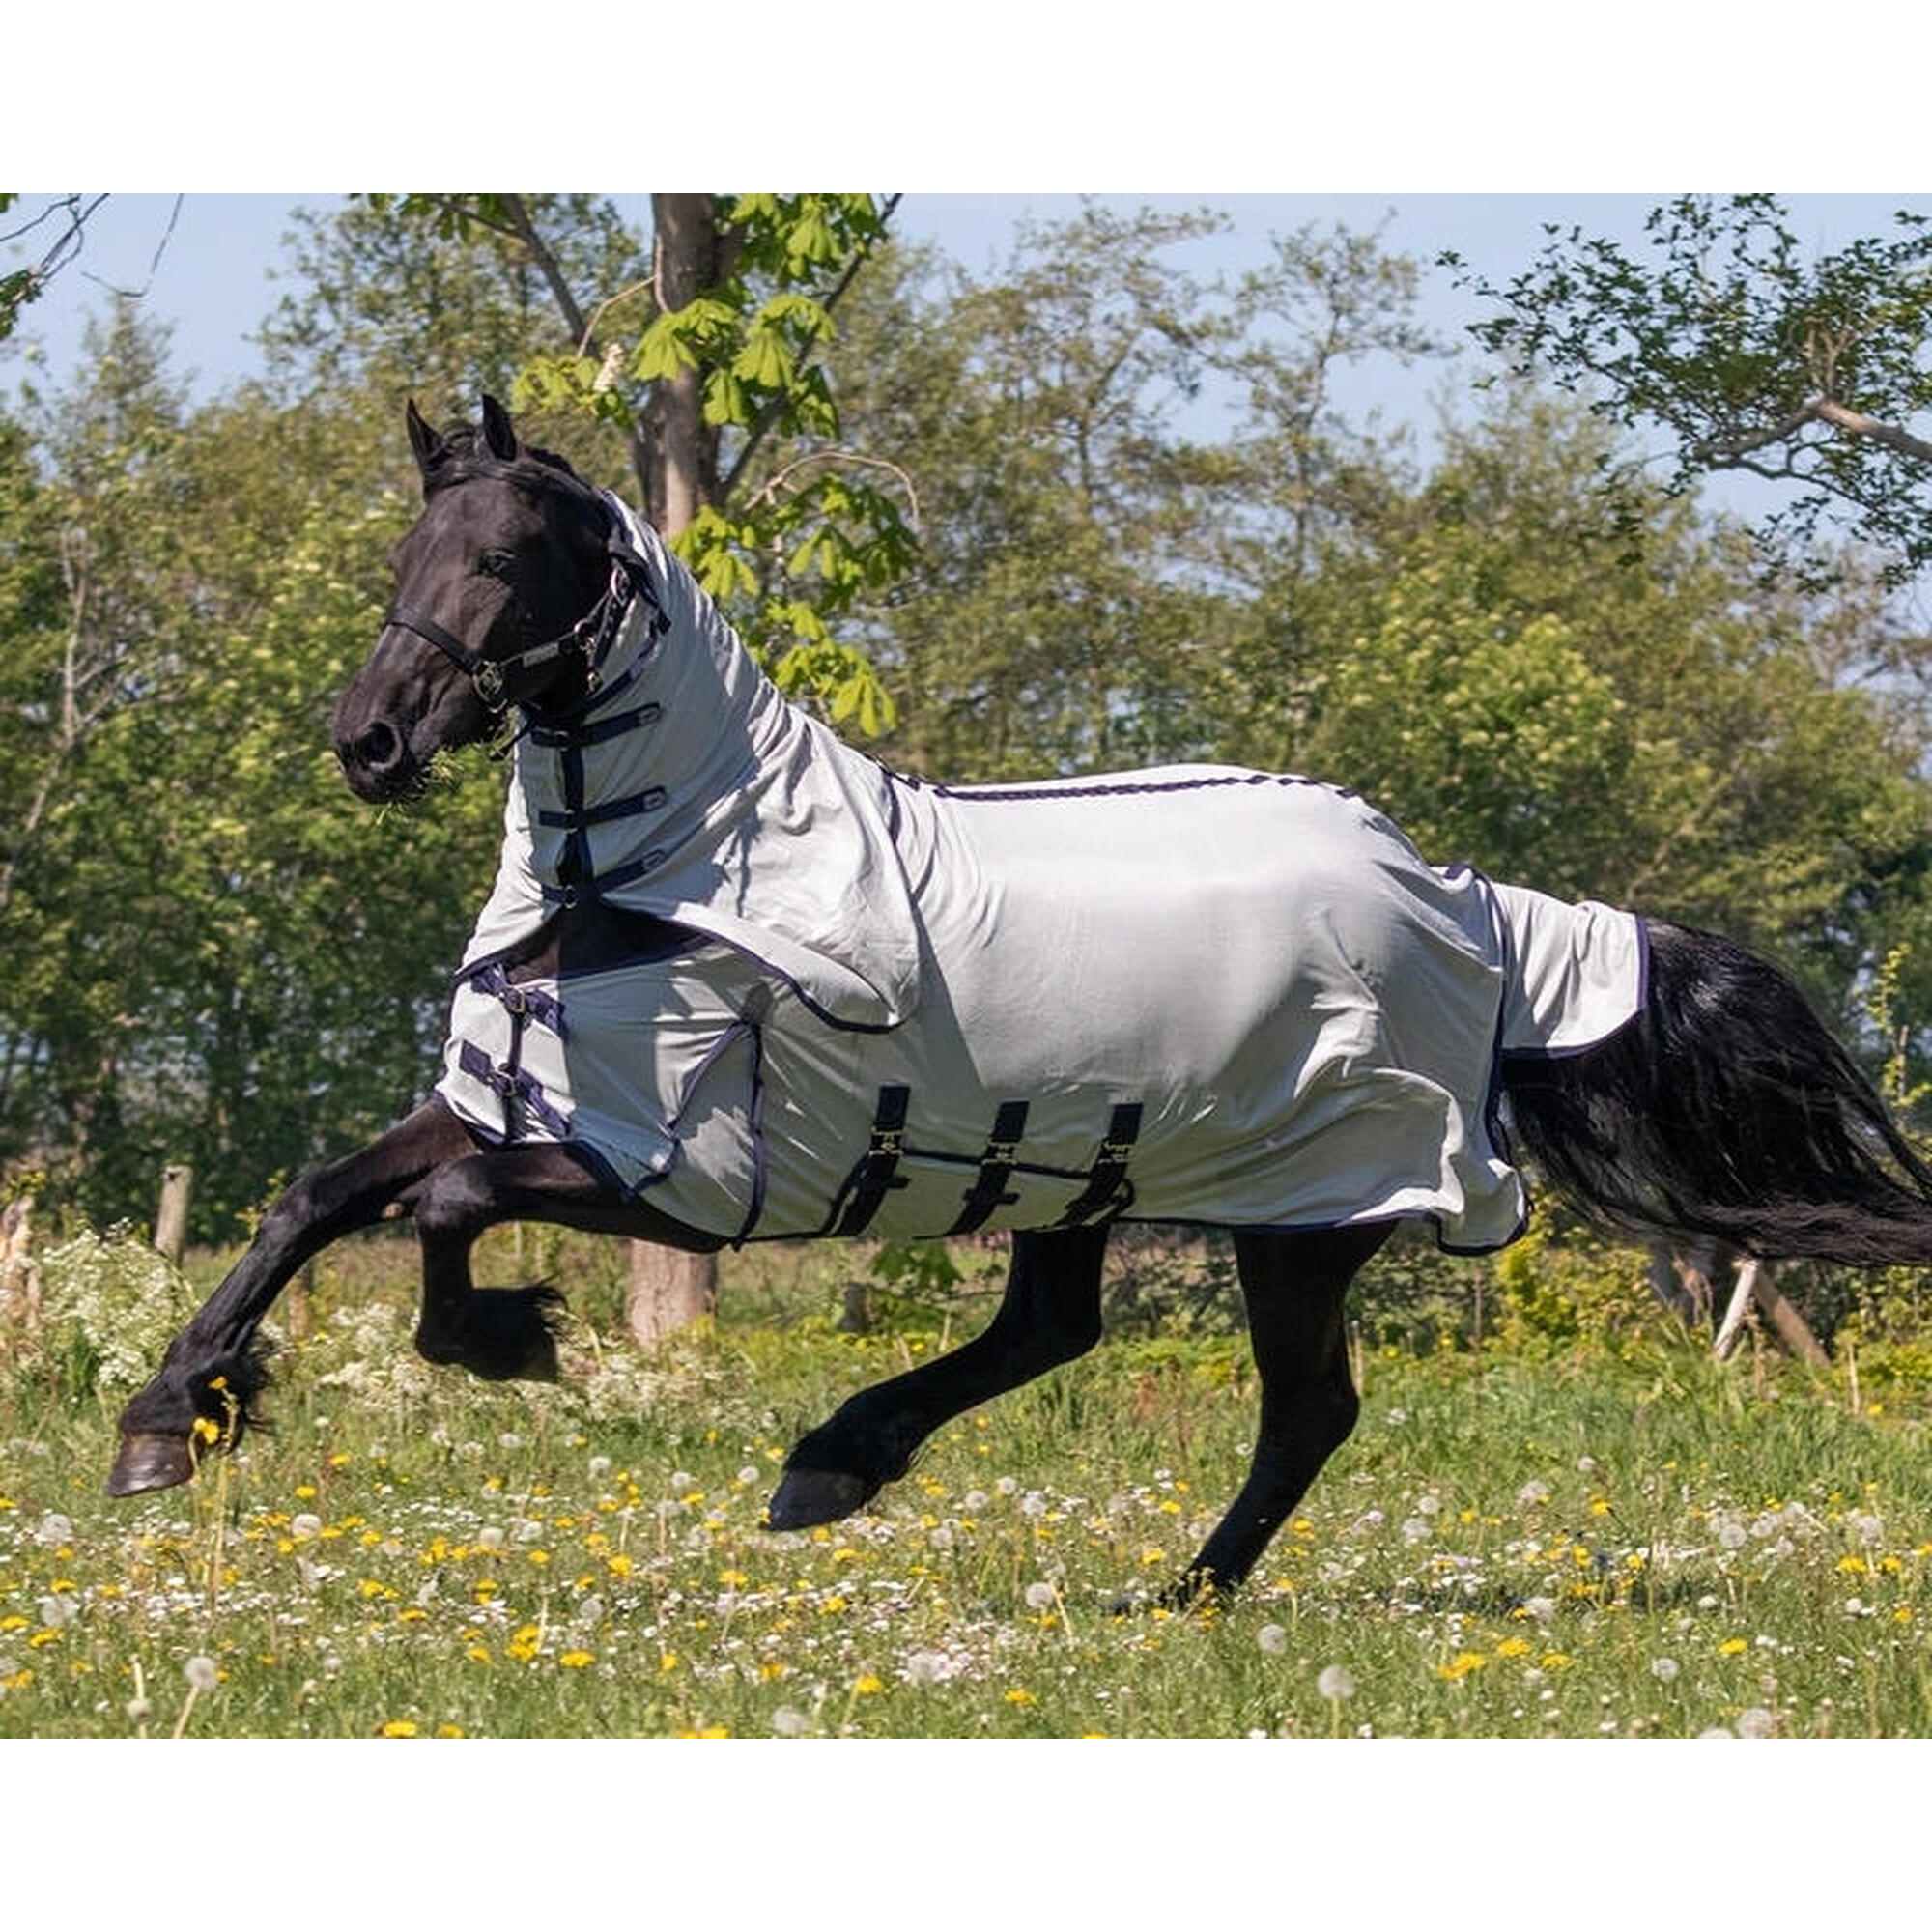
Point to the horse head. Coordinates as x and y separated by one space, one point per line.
499 584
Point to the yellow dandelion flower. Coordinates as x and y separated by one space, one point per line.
1852 1566
1513 1646
400 1727
868 1685
477 1653
539 1558
666 1660
1600 1506
1461 1665
576 1659
450 1731
207 1430
1016 1696
1903 1614
1555 1659
620 1565
1732 1646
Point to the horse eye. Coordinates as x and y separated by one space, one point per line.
499 563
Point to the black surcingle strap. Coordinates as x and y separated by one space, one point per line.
877 1171
996 1167
1106 1178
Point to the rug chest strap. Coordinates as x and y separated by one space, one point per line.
996 1168
1104 1179
877 1171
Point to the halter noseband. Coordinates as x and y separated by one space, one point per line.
590 638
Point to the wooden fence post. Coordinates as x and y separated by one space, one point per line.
171 1217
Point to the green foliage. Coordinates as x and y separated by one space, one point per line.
1808 373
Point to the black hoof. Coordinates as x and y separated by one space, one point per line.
149 1463
808 1497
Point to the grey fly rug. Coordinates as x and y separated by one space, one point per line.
1192 994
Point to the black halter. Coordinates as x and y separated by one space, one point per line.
590 638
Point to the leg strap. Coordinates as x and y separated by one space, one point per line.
1105 1191
996 1167
877 1171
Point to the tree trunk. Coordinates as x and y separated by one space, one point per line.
668 1289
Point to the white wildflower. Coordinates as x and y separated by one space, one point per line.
1272 1638
1664 1669
200 1673
1335 1684
53 1528
1040 1596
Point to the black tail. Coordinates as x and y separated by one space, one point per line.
1725 1109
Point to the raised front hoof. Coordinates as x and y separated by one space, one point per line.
807 1498
149 1463
502 1335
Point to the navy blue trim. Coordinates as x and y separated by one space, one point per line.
520 1000
1115 788
650 798
599 729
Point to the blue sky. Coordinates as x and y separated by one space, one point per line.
215 277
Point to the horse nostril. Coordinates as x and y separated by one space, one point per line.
377 747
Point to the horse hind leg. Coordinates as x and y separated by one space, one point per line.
1050 1313
1294 1286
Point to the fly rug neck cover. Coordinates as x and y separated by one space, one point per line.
1193 994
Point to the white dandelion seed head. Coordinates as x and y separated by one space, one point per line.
599 1468
527 1529
1540 1608
1716 1731
53 1528
305 1526
509 1439
1533 1493
1869 1528
749 1474
928 1666
1335 1684
139 1709
1272 1638
1006 1485
200 1673
788 1721
1040 1596
589 1612
1756 1722
939 1539
57 1612
1414 1529
1431 1505
490 1537
1664 1669
1395 1417
972 1501
1586 1465
1033 1504
1732 1534
683 1479
1707 1602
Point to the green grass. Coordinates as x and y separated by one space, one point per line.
1628 1542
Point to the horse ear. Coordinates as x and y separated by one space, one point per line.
428 445
499 437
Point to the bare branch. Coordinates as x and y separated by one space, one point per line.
1853 423
768 491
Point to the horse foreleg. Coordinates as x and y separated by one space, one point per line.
503 1334
214 1368
1050 1313
1294 1286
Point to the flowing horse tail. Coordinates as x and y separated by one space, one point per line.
1725 1109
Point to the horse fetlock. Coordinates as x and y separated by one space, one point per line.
504 1334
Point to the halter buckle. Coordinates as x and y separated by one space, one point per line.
487 679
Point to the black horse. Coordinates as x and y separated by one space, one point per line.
1722 1109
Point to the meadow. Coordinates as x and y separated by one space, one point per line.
1572 1523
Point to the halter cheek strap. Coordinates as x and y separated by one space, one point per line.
590 638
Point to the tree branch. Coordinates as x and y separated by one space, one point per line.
769 415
